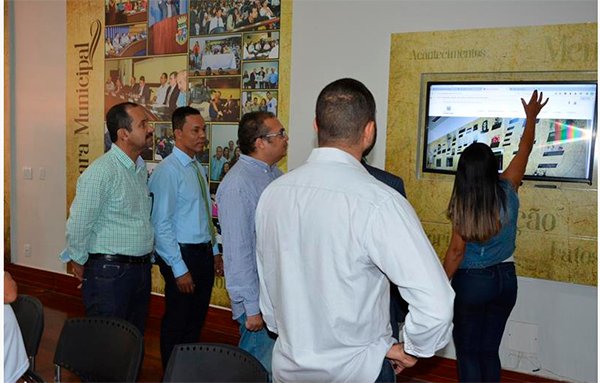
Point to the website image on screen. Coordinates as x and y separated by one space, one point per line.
459 114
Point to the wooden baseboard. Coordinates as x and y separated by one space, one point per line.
219 320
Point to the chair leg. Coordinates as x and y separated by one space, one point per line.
56 373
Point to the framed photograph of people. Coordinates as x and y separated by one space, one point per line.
125 41
265 101
261 46
168 27
223 143
260 75
150 82
217 99
164 140
216 16
125 11
215 56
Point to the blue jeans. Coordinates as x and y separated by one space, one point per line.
113 289
258 343
484 300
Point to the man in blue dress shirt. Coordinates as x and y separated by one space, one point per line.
184 234
263 142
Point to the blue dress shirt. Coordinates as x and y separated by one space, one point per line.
237 198
179 211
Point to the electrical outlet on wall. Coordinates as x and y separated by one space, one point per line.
27 173
522 337
27 250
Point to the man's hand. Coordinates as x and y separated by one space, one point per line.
255 322
219 265
400 359
77 270
185 283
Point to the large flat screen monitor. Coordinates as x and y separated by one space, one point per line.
460 113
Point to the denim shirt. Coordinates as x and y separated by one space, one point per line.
501 246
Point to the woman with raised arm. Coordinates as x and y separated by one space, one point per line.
483 210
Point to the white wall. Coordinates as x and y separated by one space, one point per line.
38 207
331 39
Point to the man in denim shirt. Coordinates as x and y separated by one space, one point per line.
263 142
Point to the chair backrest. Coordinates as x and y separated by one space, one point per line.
99 349
212 362
30 316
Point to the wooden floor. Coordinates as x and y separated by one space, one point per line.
58 307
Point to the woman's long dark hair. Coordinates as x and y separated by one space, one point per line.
477 197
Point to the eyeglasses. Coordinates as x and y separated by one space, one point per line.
282 133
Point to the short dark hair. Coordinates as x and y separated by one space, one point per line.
251 127
343 109
174 73
180 114
118 117
142 78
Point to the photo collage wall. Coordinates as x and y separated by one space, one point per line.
218 56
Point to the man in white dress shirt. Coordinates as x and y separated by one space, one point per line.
329 235
16 361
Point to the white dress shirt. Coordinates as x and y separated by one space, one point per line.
328 234
15 356
161 94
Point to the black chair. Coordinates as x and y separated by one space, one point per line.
31 377
99 349
30 316
212 362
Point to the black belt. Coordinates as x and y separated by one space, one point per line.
196 246
122 258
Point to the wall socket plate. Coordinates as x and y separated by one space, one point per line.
522 337
27 172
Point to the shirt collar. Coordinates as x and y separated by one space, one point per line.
182 157
329 154
258 163
124 158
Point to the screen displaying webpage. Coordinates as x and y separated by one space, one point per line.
459 114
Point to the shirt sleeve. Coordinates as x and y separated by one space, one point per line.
265 279
163 186
398 245
90 198
236 216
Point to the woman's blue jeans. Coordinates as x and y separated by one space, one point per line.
484 299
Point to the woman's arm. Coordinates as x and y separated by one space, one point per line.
454 254
516 169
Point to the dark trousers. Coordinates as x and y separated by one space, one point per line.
185 313
484 300
114 289
398 310
387 374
